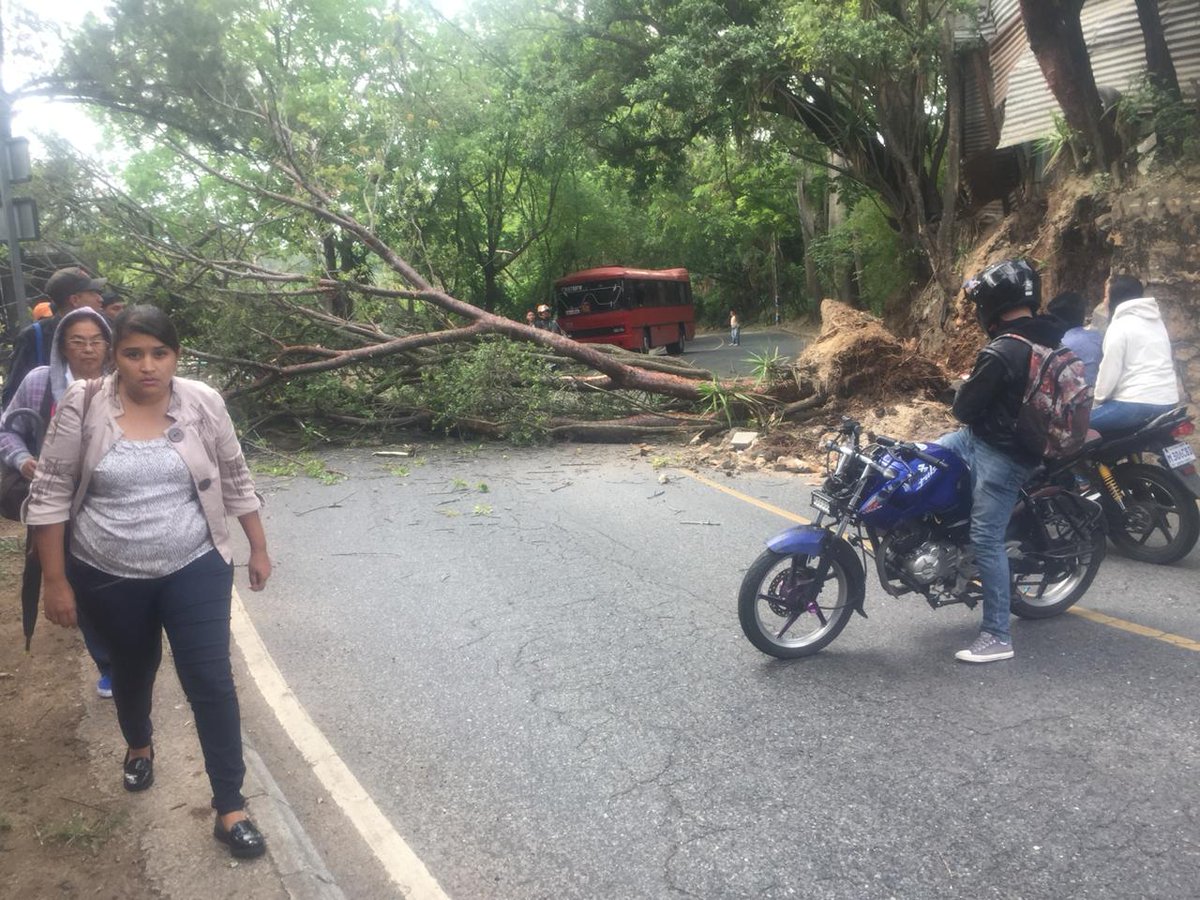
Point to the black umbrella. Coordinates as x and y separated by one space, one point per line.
31 579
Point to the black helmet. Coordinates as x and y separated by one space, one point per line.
1001 287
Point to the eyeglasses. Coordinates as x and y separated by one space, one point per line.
86 343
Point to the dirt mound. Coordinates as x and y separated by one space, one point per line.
855 356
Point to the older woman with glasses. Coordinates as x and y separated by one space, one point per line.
80 351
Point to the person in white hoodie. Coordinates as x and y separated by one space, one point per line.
1136 381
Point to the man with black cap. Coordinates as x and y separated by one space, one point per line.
68 289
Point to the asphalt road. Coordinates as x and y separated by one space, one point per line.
714 352
531 660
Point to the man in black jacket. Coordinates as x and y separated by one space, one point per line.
68 289
1006 297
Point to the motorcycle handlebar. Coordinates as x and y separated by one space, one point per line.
911 448
925 457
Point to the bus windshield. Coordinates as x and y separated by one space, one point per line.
591 297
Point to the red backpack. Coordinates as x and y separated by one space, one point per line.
1053 421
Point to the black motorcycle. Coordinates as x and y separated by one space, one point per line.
1146 481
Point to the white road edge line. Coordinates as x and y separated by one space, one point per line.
403 866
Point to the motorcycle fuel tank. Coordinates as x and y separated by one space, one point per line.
919 488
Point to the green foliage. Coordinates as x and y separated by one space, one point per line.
1147 109
1061 138
770 367
290 466
495 153
498 381
729 403
865 241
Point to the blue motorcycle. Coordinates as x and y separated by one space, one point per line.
907 506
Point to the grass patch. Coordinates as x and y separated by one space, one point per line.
89 832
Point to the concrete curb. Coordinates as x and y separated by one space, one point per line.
297 861
180 859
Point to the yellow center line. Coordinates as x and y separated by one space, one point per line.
1133 628
746 498
1091 615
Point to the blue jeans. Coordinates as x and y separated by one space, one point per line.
1117 414
192 607
996 480
735 334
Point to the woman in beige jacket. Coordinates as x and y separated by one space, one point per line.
141 469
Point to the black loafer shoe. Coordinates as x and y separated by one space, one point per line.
139 772
243 839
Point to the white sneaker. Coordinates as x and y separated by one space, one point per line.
987 648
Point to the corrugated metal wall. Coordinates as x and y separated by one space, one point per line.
1114 39
987 74
1182 25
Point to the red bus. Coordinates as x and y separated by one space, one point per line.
637 309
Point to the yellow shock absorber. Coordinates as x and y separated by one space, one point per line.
1110 482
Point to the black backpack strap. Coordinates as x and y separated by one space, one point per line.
1010 364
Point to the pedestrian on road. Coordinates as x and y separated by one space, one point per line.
1006 297
143 467
80 351
735 328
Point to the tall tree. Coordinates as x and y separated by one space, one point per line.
1056 38
865 79
1159 64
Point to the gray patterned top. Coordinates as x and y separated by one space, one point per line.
141 518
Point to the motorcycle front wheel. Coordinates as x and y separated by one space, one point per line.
786 614
1161 521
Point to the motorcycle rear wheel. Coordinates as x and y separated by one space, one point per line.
1044 599
1161 521
780 612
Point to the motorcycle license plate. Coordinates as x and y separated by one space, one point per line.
822 502
1178 455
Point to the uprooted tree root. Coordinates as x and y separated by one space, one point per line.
855 356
